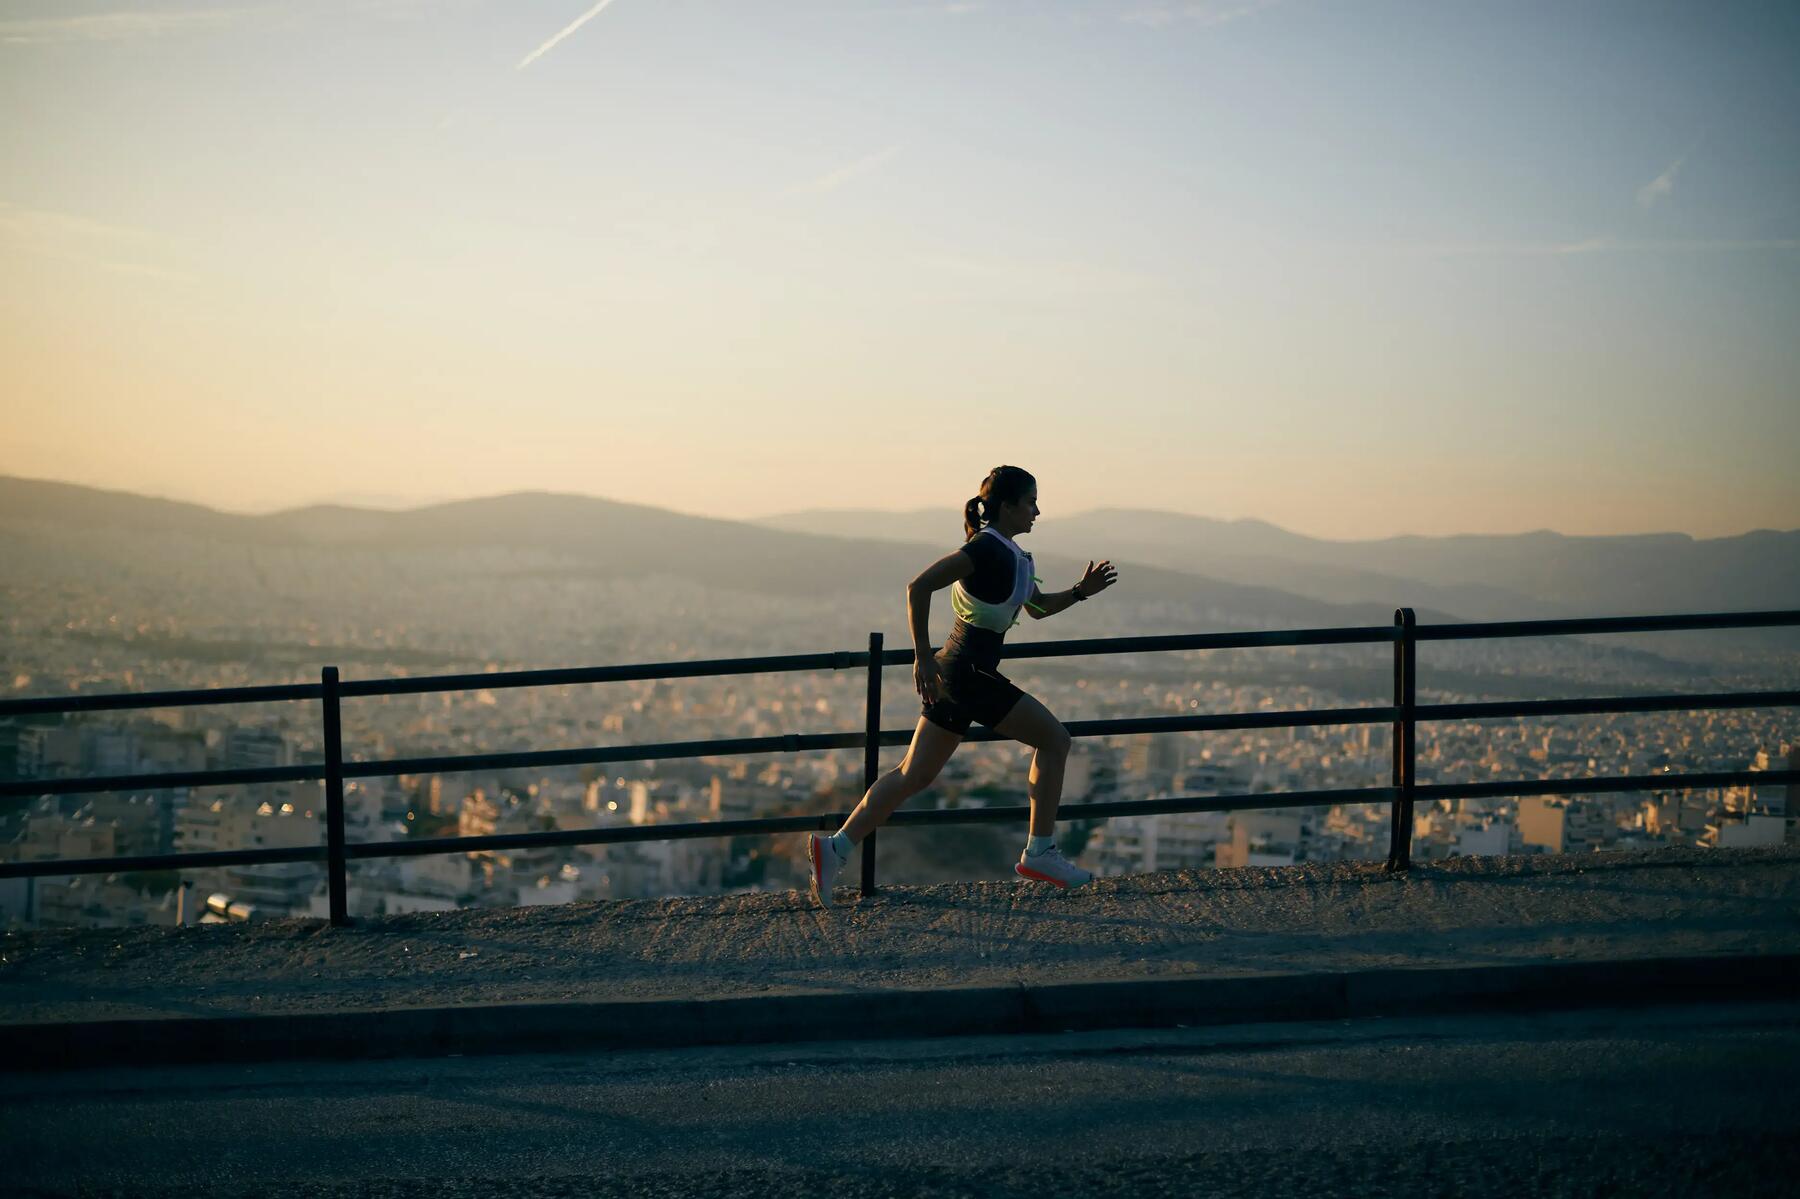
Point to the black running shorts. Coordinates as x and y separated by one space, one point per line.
971 691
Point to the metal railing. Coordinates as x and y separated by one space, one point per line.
1402 715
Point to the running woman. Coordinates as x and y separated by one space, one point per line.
990 579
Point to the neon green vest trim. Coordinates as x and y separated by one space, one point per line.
996 617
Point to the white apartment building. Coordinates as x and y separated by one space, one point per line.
1491 839
1260 837
226 818
1168 841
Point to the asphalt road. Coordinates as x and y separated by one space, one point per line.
1681 1100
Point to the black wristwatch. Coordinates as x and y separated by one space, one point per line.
1076 591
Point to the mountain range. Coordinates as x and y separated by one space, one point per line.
588 536
1210 573
1526 576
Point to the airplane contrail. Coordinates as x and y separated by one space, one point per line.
577 23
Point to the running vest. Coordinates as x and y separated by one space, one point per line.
999 617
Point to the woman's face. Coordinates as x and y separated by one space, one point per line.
1023 514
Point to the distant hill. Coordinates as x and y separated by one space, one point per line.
1177 571
551 578
605 538
1539 575
92 507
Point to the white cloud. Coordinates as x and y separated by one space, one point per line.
1700 246
38 227
572 26
120 26
836 179
114 26
1660 186
72 238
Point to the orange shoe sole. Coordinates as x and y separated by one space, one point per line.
1042 878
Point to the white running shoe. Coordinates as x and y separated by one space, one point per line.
1051 867
822 852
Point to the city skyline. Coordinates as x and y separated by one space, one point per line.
1355 270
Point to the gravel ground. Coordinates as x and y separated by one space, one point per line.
1306 918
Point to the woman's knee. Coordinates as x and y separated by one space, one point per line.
1057 742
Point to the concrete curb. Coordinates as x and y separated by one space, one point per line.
1050 1007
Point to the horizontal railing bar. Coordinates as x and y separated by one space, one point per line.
785 743
164 781
1151 807
163 861
1623 782
1627 703
602 674
534 758
673 832
1301 718
565 838
1604 624
832 660
851 659
159 699
1186 641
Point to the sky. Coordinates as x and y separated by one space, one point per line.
1358 269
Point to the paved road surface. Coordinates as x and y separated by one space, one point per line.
1662 1101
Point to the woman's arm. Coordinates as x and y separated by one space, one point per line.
940 574
1050 603
945 571
1097 578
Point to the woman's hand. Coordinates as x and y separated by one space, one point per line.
926 679
1098 578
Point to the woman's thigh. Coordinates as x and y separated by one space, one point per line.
931 747
1031 722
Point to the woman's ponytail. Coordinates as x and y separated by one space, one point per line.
971 518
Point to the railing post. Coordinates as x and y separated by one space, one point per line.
871 755
1405 655
334 800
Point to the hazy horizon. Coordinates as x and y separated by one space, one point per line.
394 503
1354 270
